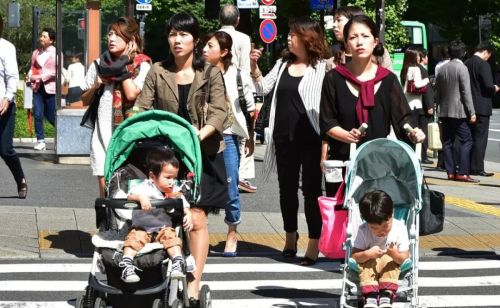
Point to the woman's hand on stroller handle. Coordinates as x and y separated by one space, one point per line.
187 221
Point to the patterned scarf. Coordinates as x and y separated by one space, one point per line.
366 98
116 71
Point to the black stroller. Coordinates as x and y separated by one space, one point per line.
125 162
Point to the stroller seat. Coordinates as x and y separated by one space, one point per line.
393 167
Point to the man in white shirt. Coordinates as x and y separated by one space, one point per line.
9 77
229 18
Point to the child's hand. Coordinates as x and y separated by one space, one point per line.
376 252
392 250
187 221
145 203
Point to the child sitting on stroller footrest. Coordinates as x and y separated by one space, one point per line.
163 167
381 245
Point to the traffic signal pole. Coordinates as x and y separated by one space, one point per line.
380 18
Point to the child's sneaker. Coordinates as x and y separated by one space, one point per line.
371 300
128 272
177 268
385 300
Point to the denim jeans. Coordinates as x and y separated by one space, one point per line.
232 162
44 105
7 152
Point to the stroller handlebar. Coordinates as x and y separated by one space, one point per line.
168 204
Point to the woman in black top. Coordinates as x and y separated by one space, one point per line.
294 142
362 92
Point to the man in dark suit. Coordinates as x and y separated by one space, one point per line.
483 90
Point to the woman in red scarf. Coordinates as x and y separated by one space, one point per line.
362 92
120 73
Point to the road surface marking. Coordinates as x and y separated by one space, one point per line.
473 206
245 267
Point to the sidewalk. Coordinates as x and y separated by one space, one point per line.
472 225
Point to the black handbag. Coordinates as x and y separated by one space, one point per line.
90 115
432 212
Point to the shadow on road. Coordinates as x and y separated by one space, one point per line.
244 248
466 254
73 242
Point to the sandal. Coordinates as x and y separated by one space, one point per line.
306 261
291 253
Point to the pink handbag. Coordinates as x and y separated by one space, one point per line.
334 218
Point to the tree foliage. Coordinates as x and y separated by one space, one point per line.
459 18
71 10
155 37
395 35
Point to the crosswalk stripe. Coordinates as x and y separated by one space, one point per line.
15 304
42 285
459 281
461 300
429 301
209 268
46 268
294 280
246 267
458 265
239 285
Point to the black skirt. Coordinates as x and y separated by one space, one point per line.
214 194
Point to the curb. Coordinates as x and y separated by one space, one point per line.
32 140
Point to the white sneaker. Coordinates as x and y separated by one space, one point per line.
177 272
40 146
128 273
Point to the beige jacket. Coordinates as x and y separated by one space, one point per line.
161 92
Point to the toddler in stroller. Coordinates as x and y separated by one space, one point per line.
162 168
380 247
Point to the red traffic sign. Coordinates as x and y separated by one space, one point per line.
267 2
268 31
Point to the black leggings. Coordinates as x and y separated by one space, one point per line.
290 157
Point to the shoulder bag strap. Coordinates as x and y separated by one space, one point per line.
243 101
205 96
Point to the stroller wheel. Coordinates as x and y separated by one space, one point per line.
176 304
87 300
157 303
80 302
205 297
99 303
171 294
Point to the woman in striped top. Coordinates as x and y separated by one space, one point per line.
294 142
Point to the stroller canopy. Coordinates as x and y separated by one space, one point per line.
150 124
388 165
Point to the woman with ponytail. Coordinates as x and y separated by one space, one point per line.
362 92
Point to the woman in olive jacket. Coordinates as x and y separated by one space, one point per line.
176 85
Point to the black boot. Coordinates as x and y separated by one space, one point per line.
22 189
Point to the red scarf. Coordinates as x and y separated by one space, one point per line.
121 106
366 98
